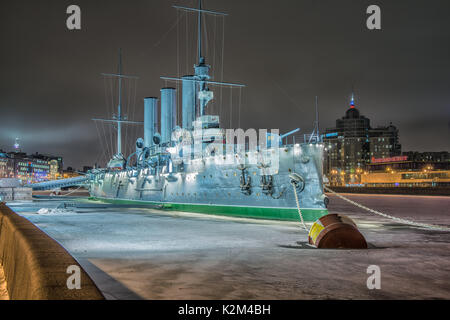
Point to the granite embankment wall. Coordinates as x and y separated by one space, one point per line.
12 189
35 265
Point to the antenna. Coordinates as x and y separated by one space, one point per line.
315 135
352 102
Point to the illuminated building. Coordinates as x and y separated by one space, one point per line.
406 171
353 143
30 168
6 166
70 173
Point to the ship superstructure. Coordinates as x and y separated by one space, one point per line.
195 165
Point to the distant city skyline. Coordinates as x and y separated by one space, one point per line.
286 54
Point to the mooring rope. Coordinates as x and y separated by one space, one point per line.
399 220
294 185
73 191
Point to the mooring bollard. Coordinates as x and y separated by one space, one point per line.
335 231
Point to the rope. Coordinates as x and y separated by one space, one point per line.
294 185
399 220
221 73
67 194
231 107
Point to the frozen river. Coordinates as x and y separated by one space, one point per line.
138 253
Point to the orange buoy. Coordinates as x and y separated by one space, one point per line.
335 231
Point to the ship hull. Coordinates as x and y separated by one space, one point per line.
210 187
266 213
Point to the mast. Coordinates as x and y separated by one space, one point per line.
119 119
201 77
119 107
199 31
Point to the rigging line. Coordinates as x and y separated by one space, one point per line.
206 37
134 114
187 44
112 96
109 103
124 116
223 53
99 161
166 34
240 101
112 129
113 93
108 134
104 146
127 110
109 108
100 137
178 45
206 55
106 140
285 93
178 64
131 114
106 94
231 108
214 57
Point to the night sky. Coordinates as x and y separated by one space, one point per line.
285 51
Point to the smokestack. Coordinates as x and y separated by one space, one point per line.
188 102
168 113
150 116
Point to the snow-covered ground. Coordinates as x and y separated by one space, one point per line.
145 253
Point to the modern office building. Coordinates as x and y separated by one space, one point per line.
353 143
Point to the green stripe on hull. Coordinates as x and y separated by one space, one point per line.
309 215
